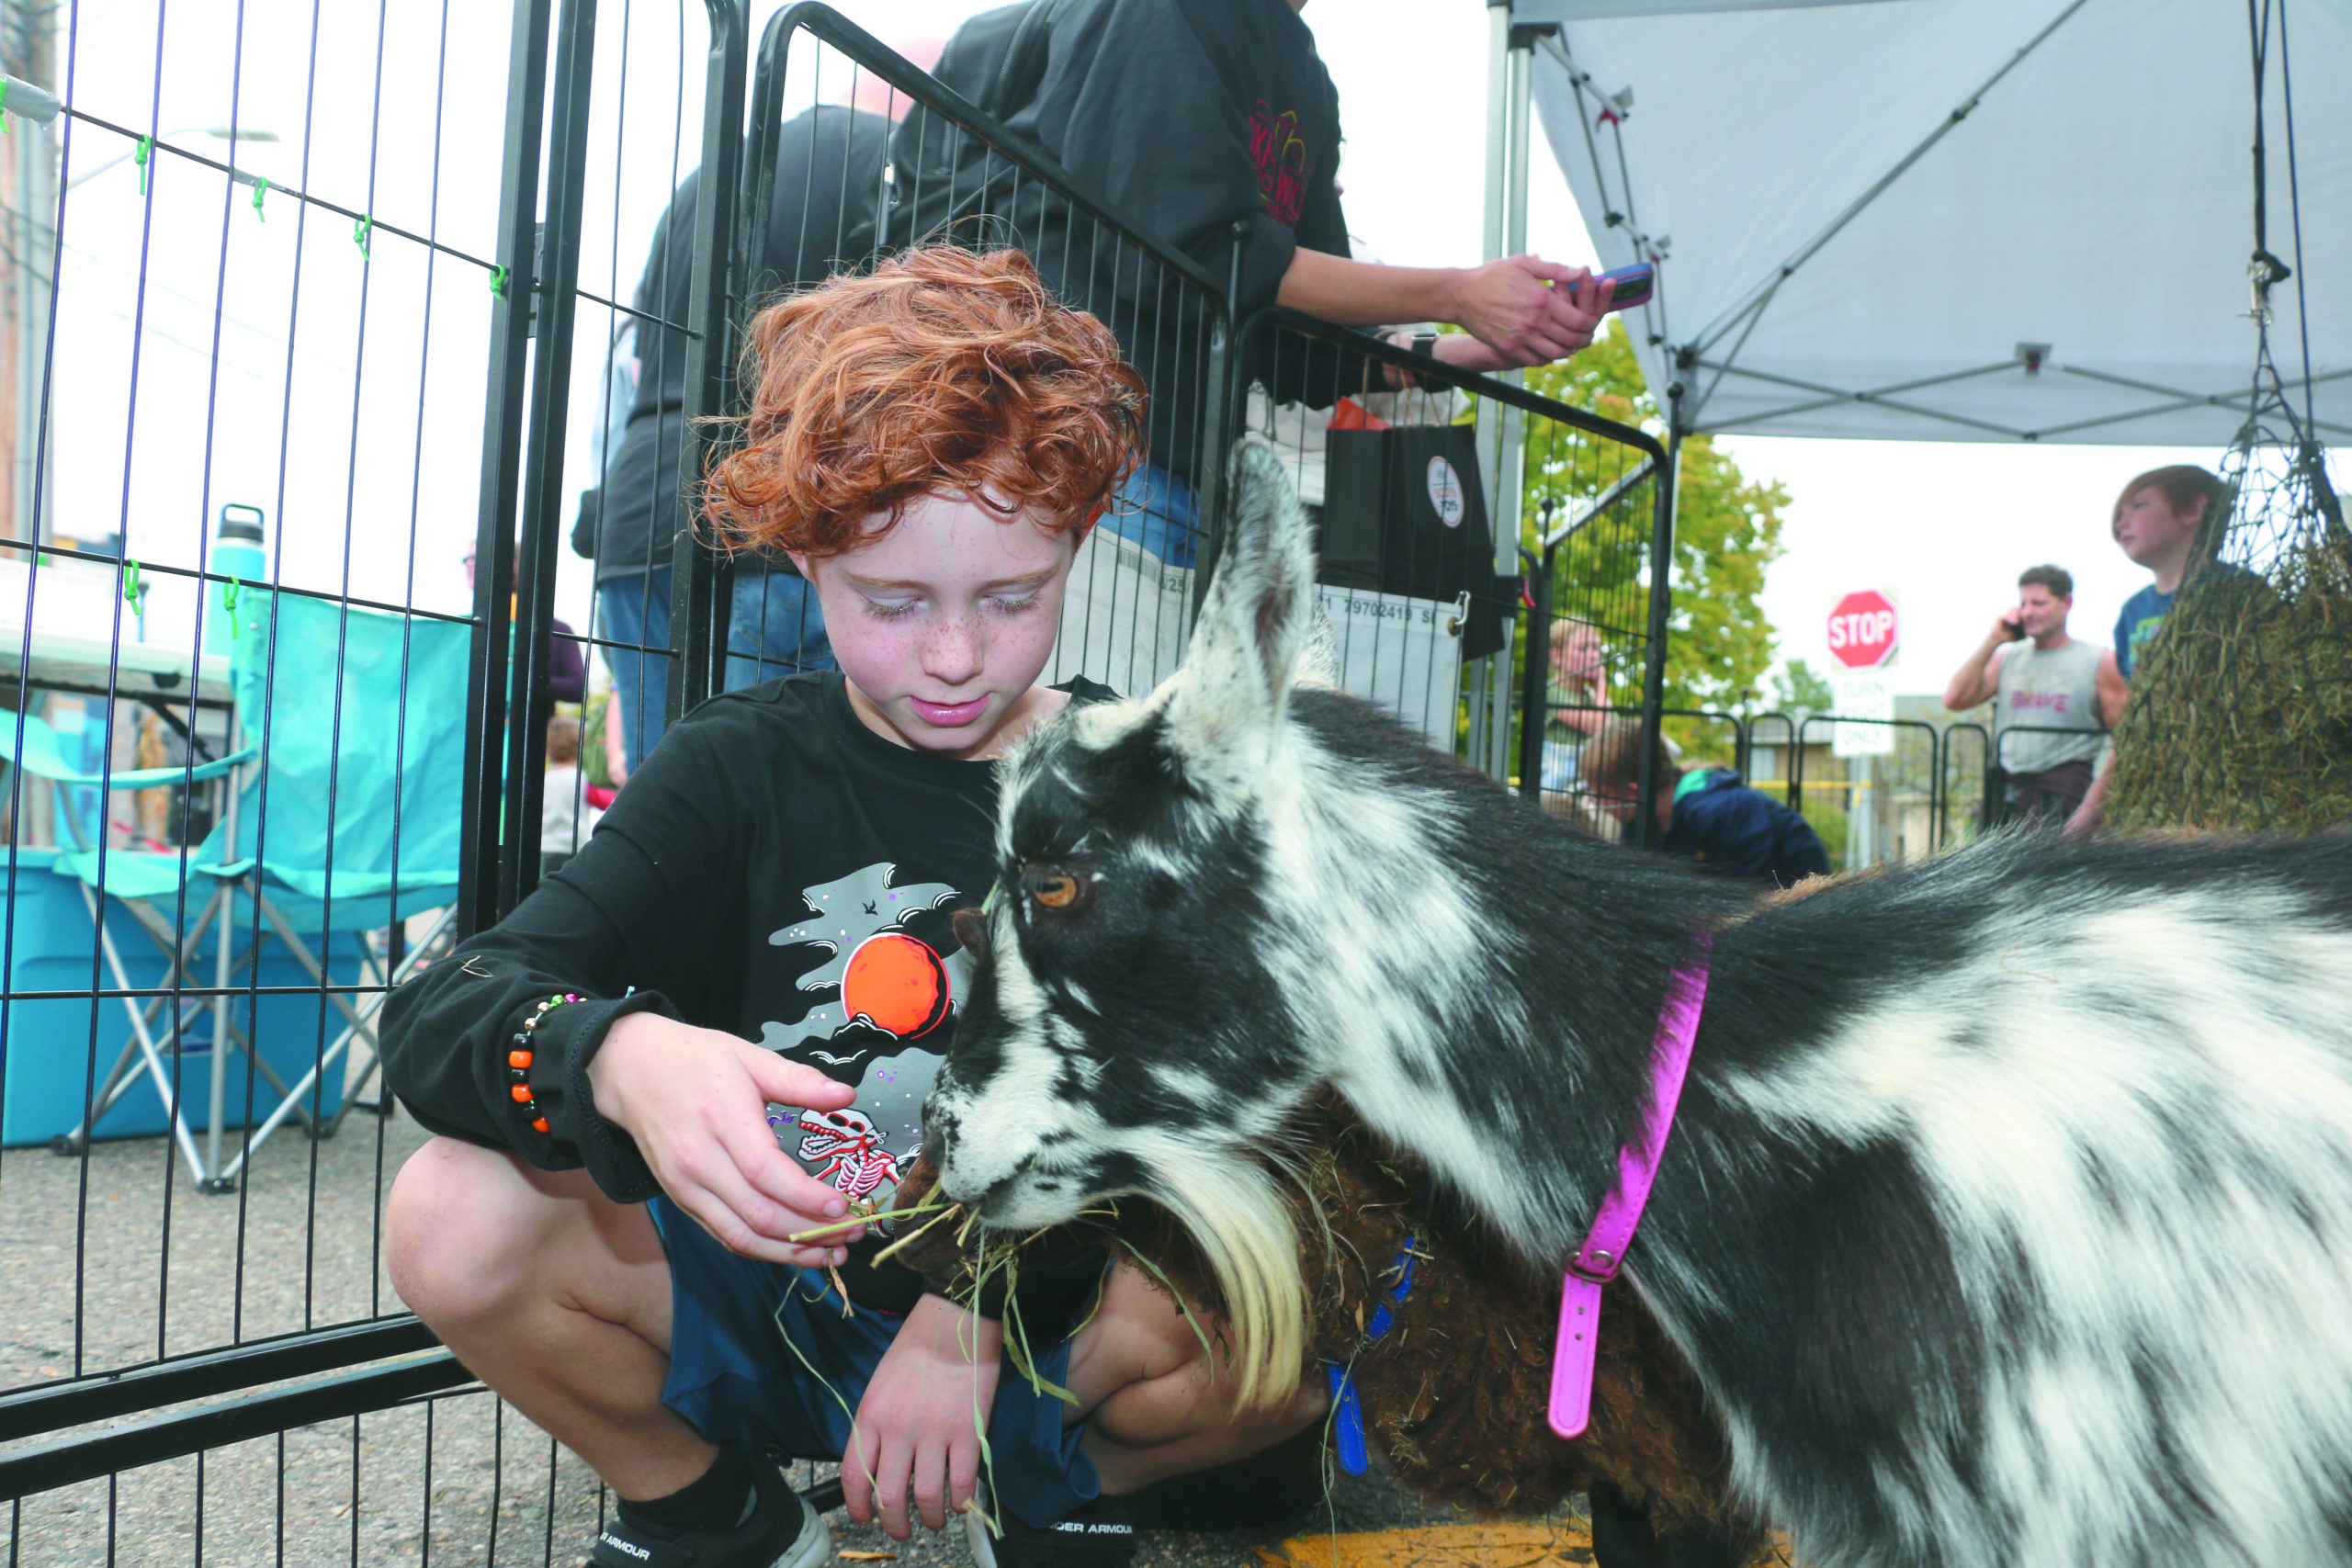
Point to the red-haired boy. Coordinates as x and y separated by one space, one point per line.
601 1230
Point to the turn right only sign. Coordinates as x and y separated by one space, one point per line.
1864 630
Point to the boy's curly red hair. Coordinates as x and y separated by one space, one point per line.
942 372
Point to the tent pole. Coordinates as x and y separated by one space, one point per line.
1502 432
1497 122
1646 782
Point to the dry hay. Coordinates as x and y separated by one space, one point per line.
1454 1394
2241 710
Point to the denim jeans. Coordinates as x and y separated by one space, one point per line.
773 628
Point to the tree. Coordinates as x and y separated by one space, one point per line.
1727 533
1802 691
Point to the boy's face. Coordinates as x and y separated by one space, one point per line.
1576 655
943 625
2148 527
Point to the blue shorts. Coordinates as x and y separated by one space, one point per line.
734 1379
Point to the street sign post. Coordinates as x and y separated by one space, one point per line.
1864 633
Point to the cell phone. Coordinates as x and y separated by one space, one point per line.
1631 285
2015 621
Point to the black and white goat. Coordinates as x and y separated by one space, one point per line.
2008 1215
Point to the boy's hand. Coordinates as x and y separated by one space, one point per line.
696 1101
915 1432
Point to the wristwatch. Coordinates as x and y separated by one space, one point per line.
1425 344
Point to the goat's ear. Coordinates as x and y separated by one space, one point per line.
971 929
1258 616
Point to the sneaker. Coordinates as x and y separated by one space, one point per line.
780 1531
1101 1534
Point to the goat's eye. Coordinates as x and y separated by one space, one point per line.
1054 889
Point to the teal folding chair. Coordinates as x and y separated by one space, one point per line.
343 821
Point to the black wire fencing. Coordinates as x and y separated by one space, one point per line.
295 291
1883 799
1595 526
365 357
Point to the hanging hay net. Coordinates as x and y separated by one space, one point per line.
2240 717
2241 711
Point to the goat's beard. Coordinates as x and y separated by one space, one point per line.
1234 1212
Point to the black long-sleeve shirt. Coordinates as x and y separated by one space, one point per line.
1191 117
775 870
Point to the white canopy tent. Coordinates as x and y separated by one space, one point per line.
1945 220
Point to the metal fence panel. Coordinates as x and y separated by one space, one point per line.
332 313
297 318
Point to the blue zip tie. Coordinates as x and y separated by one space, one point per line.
1347 1422
1347 1410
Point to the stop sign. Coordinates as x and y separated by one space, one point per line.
1862 630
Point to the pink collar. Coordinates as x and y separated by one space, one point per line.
1597 1261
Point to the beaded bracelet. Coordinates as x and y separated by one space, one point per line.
518 1060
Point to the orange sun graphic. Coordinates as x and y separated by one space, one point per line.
896 984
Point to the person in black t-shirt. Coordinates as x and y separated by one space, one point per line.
1193 118
603 1230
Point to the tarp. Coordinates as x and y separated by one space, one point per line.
2073 174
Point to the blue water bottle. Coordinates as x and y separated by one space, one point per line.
236 552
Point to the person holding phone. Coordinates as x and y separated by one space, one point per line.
2055 698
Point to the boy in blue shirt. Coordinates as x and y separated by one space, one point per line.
2160 521
1707 814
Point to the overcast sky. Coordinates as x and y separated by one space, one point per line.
1945 526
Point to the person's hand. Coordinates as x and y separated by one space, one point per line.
696 1101
917 1440
2008 626
1523 311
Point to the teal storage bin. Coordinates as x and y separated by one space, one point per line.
46 1043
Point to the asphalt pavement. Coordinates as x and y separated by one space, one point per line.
115 1259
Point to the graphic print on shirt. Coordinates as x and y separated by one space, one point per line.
2144 632
1281 154
2055 702
845 1142
882 995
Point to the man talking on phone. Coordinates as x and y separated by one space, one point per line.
2055 698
